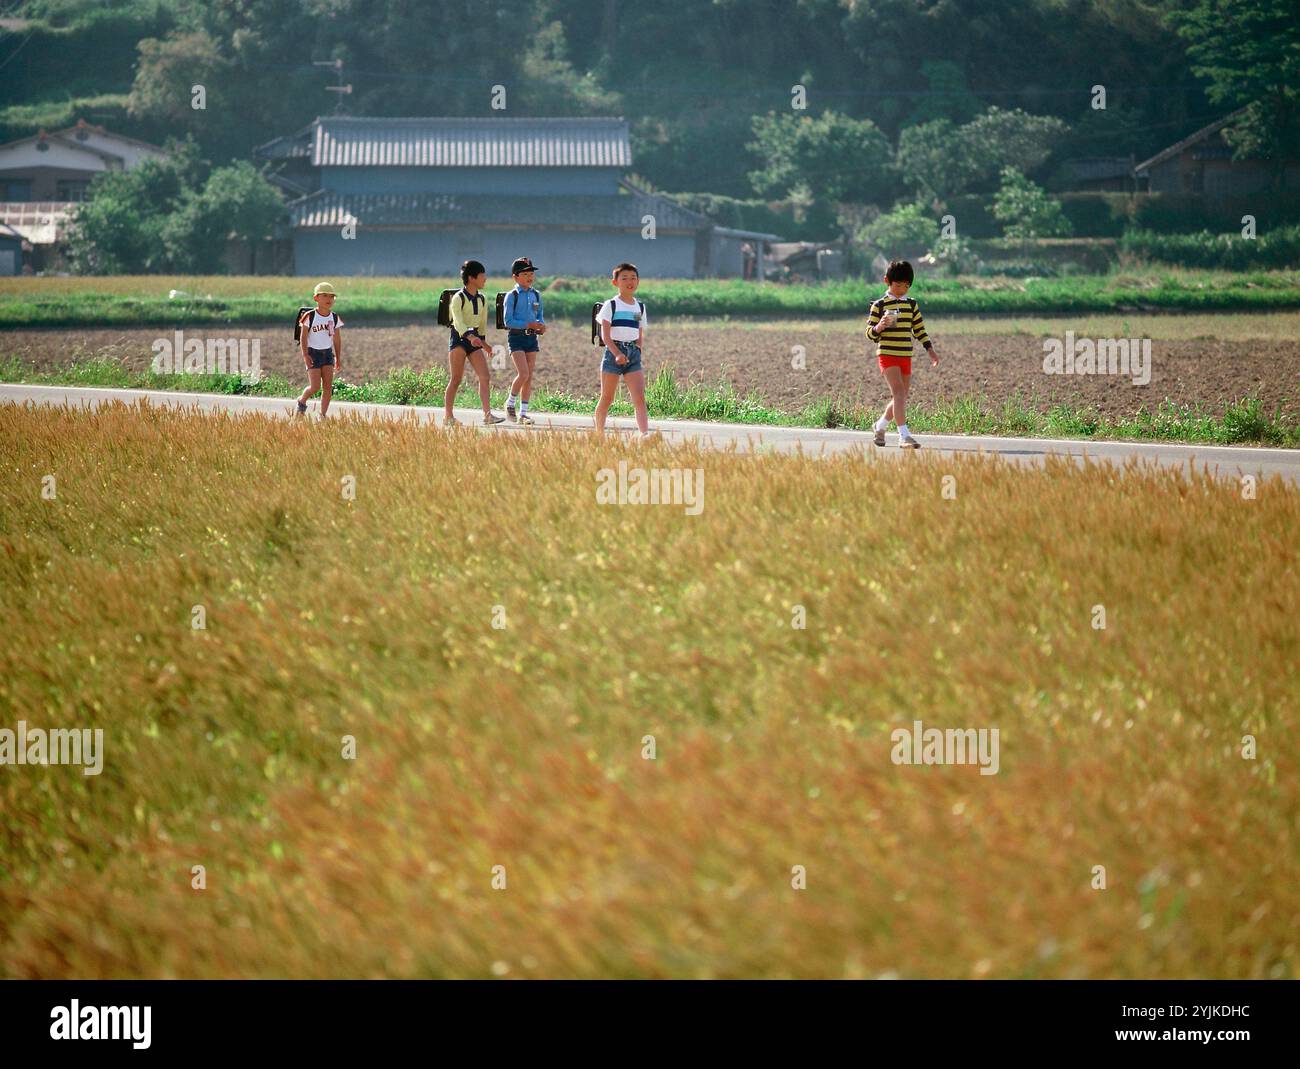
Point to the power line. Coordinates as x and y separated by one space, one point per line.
783 91
18 49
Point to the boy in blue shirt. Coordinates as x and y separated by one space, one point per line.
522 315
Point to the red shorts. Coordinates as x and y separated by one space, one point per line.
904 363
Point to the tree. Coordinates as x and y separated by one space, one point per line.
162 215
118 230
235 202
1250 52
949 96
940 160
932 162
1026 211
834 157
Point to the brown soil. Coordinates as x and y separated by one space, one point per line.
1204 371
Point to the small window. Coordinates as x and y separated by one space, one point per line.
71 189
15 189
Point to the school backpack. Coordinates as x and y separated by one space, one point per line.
444 307
595 321
501 311
297 323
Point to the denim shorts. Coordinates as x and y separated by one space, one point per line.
521 341
321 357
631 350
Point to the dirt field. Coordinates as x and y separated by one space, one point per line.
1207 359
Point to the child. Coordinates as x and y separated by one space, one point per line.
622 328
322 348
469 340
522 314
895 320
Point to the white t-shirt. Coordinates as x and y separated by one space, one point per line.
627 322
321 330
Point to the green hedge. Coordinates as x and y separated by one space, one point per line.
1108 215
28 303
1186 213
1276 249
1096 215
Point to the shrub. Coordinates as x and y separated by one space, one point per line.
1231 252
907 232
1026 210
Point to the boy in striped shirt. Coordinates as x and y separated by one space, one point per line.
894 321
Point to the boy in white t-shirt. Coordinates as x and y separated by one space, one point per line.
322 348
622 322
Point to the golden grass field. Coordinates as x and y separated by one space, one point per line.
522 746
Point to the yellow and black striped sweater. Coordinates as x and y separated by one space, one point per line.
896 340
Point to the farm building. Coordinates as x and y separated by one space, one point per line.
1096 174
419 196
44 176
1202 163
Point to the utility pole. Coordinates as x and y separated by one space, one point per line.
341 89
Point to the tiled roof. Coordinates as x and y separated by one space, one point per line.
441 142
619 211
287 147
1191 139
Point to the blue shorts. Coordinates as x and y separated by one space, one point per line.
631 350
321 357
523 342
461 341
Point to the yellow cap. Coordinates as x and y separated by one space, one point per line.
322 287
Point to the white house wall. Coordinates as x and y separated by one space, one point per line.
58 156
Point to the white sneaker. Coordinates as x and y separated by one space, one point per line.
906 441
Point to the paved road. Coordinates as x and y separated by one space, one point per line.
1227 461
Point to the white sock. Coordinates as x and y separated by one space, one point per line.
881 424
523 407
511 402
902 429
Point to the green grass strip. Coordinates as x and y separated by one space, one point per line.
30 304
1241 423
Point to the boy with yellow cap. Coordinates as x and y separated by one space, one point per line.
322 347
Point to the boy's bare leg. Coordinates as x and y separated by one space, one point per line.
608 390
313 384
636 390
456 361
528 383
327 389
897 409
521 385
479 363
